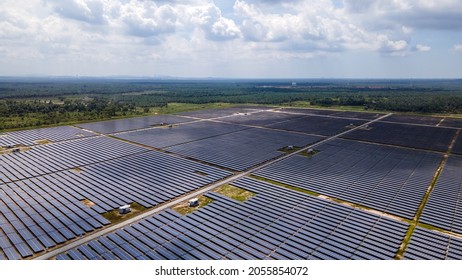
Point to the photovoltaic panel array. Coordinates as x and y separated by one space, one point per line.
243 149
184 133
432 245
444 208
358 115
457 147
452 122
148 179
327 126
44 159
425 120
388 179
114 126
413 136
53 134
40 212
218 113
336 113
260 118
51 194
275 224
37 214
304 111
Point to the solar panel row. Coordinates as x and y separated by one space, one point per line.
35 217
457 147
319 125
336 113
432 245
388 179
424 120
217 113
451 122
275 224
60 156
53 134
260 118
149 179
444 209
413 136
114 126
170 136
243 149
38 213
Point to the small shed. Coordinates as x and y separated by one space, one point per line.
125 209
193 202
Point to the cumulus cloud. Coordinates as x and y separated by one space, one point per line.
217 27
91 11
389 47
431 14
422 48
458 47
310 26
272 26
161 30
146 19
318 26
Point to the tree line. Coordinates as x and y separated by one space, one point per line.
26 103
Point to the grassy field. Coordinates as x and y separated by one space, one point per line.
234 192
114 216
184 209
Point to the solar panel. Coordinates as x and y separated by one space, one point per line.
337 160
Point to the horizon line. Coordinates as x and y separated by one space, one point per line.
166 77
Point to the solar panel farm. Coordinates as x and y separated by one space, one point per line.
271 183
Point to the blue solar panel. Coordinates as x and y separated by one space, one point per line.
339 172
23 249
88 252
35 245
109 256
46 241
75 255
121 254
166 254
63 257
131 250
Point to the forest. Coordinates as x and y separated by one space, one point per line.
33 102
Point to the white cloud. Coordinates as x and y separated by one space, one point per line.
391 47
90 11
210 19
422 48
318 26
145 19
169 32
458 47
303 26
430 14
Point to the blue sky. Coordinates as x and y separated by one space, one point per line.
233 39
